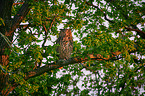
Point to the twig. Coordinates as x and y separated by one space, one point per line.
44 28
52 22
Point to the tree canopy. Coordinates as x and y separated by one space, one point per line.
108 59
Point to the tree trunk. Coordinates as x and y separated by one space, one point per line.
8 29
5 14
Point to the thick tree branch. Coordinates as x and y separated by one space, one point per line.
18 18
60 63
74 60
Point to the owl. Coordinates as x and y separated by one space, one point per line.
65 42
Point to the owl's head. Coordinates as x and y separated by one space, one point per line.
65 33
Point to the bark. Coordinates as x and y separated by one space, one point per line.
8 29
5 14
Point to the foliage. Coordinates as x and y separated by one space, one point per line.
103 27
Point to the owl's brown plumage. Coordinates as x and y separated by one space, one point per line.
65 42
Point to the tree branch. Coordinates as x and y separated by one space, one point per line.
18 18
111 21
18 3
60 63
138 31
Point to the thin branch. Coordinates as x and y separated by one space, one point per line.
139 31
92 5
125 79
26 26
9 89
18 3
46 33
44 28
52 22
88 68
111 21
23 26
